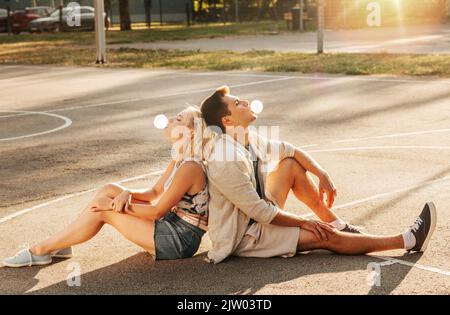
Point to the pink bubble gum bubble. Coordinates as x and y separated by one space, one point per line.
256 106
160 121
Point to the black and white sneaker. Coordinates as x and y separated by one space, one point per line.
352 229
423 227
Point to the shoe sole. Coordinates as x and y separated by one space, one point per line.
62 256
41 263
433 216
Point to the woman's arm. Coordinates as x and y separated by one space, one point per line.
182 182
153 193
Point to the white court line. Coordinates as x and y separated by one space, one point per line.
342 78
277 78
413 265
245 75
379 196
395 135
152 97
45 204
404 147
383 195
67 123
308 146
301 77
350 79
324 77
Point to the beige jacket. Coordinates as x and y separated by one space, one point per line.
232 189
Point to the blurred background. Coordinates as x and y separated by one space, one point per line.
129 14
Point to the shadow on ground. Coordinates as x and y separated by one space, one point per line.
139 274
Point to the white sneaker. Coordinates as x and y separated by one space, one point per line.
63 253
26 258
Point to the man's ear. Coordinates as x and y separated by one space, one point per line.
226 121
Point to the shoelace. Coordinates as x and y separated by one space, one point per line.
416 226
27 247
353 228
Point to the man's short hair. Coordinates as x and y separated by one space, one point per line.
214 108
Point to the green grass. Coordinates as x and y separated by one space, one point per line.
61 53
166 32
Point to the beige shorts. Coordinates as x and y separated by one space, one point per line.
268 240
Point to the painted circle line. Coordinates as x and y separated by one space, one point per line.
392 147
67 123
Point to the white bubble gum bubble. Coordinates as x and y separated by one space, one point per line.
160 121
256 106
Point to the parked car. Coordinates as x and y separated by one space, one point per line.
52 23
21 18
3 20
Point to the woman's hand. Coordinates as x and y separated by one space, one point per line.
120 202
102 204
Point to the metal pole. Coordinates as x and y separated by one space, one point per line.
188 19
160 13
301 16
223 15
320 25
236 10
61 7
8 18
100 32
148 14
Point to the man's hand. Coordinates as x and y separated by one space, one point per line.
102 204
326 186
318 228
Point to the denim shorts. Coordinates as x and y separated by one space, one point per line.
176 238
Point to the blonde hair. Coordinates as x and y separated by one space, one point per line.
200 145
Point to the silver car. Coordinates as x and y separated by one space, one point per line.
52 23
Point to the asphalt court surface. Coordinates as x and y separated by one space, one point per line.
66 131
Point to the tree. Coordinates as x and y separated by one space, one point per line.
124 12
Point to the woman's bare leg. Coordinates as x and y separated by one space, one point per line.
89 223
349 243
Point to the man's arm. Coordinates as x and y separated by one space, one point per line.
232 180
280 150
326 185
285 218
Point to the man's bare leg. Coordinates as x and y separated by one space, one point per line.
416 238
290 175
348 243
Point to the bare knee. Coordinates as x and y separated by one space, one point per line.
106 216
285 172
308 241
110 190
291 165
